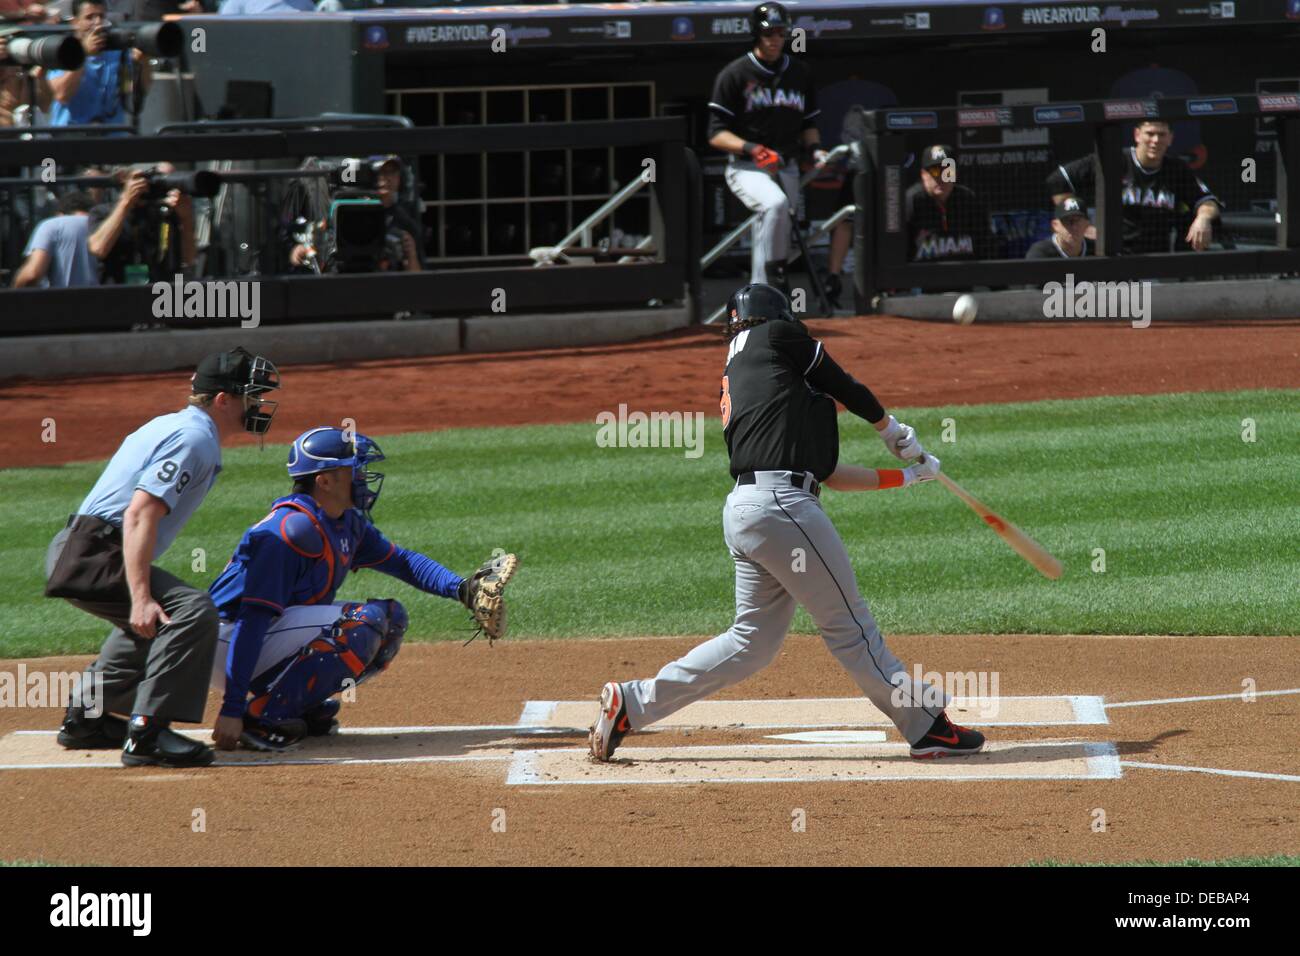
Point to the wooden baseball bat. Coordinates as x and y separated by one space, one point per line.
1029 549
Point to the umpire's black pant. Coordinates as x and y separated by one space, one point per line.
165 678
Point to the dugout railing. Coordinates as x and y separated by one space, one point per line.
672 275
893 136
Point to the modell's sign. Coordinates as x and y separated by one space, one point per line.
1279 102
1129 109
1000 116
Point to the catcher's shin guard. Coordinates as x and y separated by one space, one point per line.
364 639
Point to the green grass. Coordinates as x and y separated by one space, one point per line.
1199 527
1275 860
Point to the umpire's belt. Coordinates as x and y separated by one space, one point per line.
98 527
771 479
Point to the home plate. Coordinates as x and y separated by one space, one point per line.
811 713
814 763
833 736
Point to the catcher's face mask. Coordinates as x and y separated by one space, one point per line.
366 484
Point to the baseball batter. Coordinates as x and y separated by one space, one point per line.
762 113
282 639
779 390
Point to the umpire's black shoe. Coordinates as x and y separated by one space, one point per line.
80 732
151 743
272 736
322 720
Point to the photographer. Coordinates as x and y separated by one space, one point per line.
148 232
95 93
379 177
57 253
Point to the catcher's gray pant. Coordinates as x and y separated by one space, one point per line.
786 552
166 677
761 194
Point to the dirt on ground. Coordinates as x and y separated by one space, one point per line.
1229 786
464 812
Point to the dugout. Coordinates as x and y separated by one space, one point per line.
632 61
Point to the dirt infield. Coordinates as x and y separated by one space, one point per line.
456 805
905 362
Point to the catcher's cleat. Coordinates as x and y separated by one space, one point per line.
483 593
151 743
80 732
946 739
272 736
322 720
612 725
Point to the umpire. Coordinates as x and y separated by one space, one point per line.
762 112
156 661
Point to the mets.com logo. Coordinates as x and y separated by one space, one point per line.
1220 105
1081 13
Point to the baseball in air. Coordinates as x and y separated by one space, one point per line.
965 310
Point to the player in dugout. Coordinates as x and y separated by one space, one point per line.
1167 207
946 221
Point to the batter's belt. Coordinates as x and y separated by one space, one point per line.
798 479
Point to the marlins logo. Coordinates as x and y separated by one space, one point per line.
759 97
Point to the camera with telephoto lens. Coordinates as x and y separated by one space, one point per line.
153 39
59 51
201 182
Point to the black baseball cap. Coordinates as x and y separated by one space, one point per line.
937 155
1069 208
379 162
238 371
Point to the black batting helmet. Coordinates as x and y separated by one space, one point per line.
755 304
766 16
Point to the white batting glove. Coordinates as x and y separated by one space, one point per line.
901 440
923 470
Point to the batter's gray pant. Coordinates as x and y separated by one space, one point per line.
760 194
166 677
786 552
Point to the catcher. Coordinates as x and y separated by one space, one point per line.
282 641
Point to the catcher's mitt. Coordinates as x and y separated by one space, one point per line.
483 592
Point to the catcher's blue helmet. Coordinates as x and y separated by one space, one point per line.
321 449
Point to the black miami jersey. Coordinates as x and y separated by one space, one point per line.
1159 203
766 104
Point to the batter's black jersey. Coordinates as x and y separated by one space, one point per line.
957 229
764 104
1158 203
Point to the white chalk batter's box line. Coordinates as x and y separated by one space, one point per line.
1102 760
1087 709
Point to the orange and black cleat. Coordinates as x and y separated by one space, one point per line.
612 725
946 739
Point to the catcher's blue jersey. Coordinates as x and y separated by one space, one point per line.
297 554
